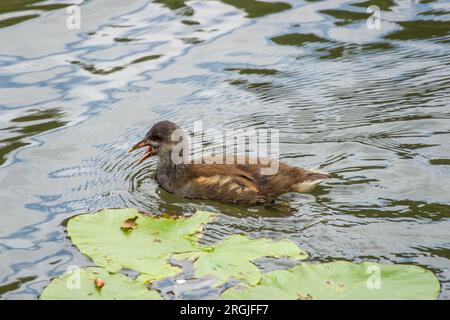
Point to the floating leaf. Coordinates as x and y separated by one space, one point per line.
342 280
231 258
129 224
145 250
82 284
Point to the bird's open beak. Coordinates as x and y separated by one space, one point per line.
148 153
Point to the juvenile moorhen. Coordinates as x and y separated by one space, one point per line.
235 183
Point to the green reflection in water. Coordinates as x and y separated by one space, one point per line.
256 9
435 13
264 72
191 40
346 17
178 5
190 22
172 4
334 53
402 208
8 6
266 91
297 39
253 8
15 285
94 70
147 58
428 1
420 29
16 20
422 209
353 50
384 5
47 119
124 39
440 162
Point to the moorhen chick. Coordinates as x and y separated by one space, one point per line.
231 183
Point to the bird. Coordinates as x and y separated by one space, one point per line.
238 181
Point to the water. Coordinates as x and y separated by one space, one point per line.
369 106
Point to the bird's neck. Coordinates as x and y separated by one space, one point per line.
166 165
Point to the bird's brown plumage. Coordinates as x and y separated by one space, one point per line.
239 181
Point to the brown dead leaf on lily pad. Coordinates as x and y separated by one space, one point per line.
129 224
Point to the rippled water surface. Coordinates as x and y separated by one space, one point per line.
369 106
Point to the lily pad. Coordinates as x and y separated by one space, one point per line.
83 285
342 280
231 258
145 247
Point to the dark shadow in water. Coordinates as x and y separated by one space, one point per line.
176 205
27 127
256 9
8 6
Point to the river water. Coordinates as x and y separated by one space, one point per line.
371 106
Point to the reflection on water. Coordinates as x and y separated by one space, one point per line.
421 29
256 9
369 106
34 123
22 7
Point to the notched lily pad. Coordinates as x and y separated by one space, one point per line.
232 258
342 280
85 284
146 249
151 242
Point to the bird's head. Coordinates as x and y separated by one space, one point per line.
161 138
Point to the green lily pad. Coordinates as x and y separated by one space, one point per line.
81 286
231 258
342 280
109 239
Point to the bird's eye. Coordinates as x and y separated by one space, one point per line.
157 137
